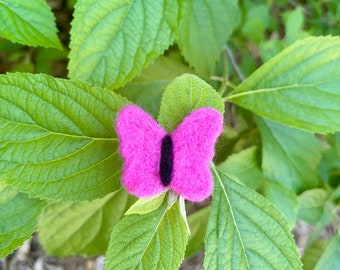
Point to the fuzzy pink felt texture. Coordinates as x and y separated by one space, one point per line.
193 149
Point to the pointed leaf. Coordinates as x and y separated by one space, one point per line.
18 218
245 231
74 220
183 95
155 240
330 259
57 138
119 39
146 205
290 156
312 253
29 22
204 28
299 87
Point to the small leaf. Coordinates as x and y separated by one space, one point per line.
29 22
119 39
284 199
330 259
312 203
72 221
183 95
57 138
198 222
290 156
329 165
245 231
155 240
146 205
244 165
18 218
204 28
299 87
294 22
257 20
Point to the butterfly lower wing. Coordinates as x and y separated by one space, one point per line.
194 142
140 143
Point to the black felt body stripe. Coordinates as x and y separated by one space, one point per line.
166 163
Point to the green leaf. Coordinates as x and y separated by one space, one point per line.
147 89
185 94
204 28
294 22
18 218
244 165
312 254
112 46
256 22
155 240
299 87
72 221
330 259
284 199
290 156
329 166
29 22
57 138
337 142
146 205
198 223
312 205
245 231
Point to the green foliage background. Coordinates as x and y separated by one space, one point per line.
271 67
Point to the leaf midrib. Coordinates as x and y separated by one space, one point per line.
152 236
49 132
231 212
279 88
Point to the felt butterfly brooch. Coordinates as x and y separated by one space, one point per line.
156 160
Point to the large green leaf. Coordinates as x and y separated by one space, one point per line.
18 218
57 138
183 95
299 87
112 41
204 28
155 240
245 231
290 156
29 22
74 220
330 259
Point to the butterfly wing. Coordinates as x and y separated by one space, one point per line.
193 144
140 143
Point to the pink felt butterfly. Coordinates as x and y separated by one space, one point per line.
155 160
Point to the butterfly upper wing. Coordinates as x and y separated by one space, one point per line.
140 143
193 147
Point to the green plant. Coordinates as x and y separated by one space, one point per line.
59 159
